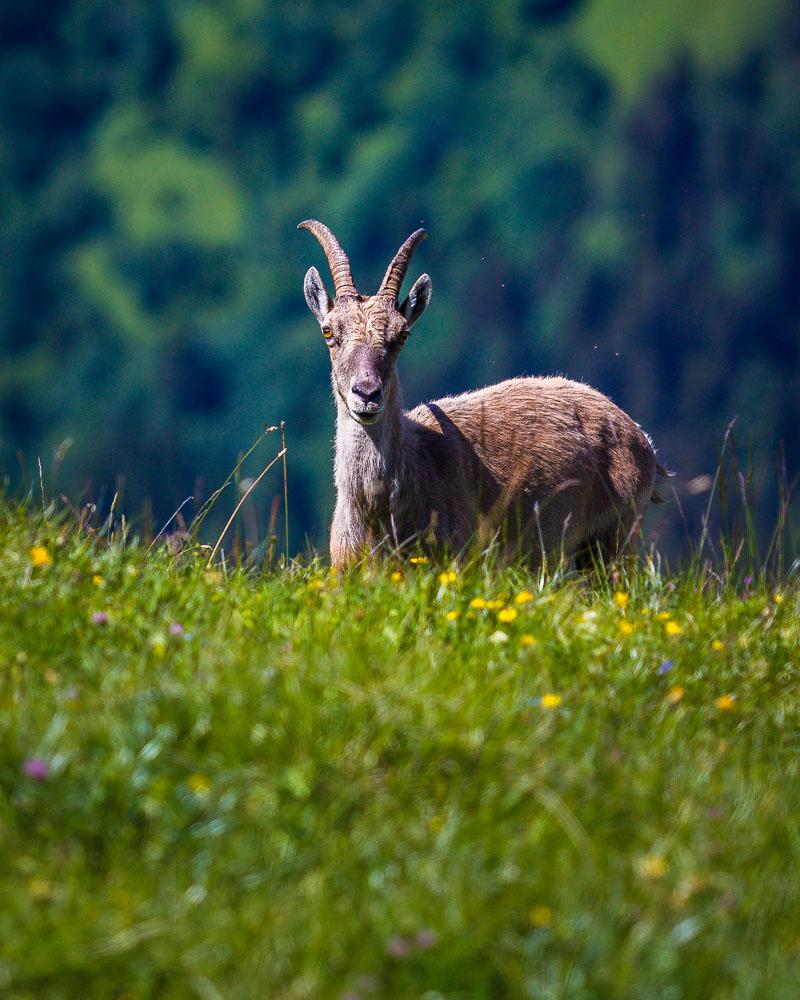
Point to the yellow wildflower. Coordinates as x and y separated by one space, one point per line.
726 703
494 605
621 599
158 644
672 628
717 645
663 616
540 916
40 556
551 700
625 627
448 576
396 577
507 614
316 583
777 598
435 824
477 602
527 640
644 612
418 560
674 695
523 597
653 866
98 580
40 888
199 784
453 615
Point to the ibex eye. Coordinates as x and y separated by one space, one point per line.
327 333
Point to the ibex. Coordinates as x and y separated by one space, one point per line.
541 464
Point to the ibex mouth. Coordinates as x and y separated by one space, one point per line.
365 417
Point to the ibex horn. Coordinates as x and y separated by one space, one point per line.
337 259
396 271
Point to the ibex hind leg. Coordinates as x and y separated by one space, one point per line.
597 552
607 546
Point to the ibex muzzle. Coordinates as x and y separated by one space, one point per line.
540 464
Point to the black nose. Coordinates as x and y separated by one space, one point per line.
368 389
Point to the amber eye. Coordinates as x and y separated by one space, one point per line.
327 333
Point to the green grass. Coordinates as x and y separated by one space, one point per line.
323 788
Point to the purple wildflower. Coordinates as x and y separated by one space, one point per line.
367 983
36 768
398 947
665 667
427 938
100 618
176 629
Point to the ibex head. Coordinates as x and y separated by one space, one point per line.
364 333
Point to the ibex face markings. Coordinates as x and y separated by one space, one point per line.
541 464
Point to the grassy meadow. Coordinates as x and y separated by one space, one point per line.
415 780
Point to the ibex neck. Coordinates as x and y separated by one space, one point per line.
369 459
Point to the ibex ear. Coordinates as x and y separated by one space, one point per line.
319 302
418 299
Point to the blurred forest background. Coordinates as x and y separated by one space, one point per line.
612 191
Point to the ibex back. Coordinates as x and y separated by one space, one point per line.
542 465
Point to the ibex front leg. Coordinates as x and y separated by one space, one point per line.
349 537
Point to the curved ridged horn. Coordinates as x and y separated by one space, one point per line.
337 259
396 271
